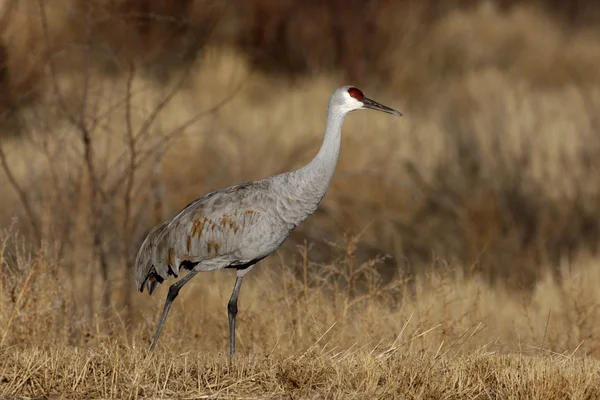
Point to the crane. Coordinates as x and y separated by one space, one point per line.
238 226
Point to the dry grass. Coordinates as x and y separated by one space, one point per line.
447 336
475 273
124 373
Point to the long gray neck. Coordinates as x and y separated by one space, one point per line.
309 184
321 168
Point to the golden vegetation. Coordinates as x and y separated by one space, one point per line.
475 272
342 332
112 372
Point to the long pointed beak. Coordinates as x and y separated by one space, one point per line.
373 105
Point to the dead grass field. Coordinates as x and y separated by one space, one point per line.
450 337
455 255
112 372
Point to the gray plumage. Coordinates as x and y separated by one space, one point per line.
237 226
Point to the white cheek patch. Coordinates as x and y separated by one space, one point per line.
351 103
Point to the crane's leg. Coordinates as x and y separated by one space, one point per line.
232 308
173 292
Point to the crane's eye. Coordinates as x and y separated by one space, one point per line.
356 93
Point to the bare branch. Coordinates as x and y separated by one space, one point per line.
166 139
144 130
23 198
130 174
85 133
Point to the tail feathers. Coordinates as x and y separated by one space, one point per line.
150 273
150 270
152 265
152 281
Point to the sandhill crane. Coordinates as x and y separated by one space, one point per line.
240 225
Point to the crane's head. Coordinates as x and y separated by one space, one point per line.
349 98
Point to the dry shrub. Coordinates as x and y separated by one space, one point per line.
28 41
32 298
524 44
38 37
373 43
379 42
159 35
511 193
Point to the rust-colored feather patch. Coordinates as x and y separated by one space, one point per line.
171 257
212 246
197 228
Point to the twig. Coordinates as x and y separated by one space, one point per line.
545 330
130 173
18 301
153 150
23 198
305 269
145 129
96 217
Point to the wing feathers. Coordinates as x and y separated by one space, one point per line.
207 228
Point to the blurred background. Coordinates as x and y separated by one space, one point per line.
114 114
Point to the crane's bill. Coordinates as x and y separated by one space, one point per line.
373 105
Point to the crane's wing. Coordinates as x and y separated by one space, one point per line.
209 229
